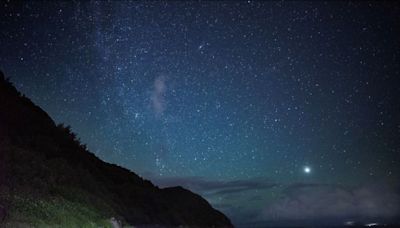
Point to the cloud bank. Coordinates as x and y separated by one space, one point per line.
203 186
316 201
300 203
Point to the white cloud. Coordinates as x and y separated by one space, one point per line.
158 95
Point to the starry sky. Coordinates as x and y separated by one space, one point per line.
275 112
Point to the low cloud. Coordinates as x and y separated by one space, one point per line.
299 202
315 201
200 185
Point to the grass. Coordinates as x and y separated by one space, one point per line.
53 212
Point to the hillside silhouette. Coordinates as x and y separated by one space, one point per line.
47 177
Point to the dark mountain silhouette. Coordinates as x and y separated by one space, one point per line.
48 177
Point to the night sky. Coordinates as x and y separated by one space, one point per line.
275 112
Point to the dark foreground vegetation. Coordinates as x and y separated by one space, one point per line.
48 178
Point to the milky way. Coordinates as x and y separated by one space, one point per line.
250 104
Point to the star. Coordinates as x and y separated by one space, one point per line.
307 169
216 97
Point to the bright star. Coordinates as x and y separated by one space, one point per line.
307 169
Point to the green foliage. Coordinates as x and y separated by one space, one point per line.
53 212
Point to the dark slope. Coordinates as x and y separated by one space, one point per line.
40 160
